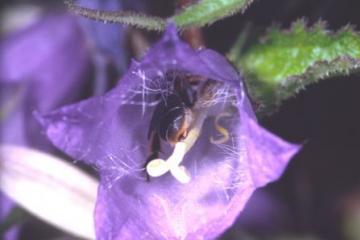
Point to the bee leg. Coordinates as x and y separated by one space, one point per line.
154 149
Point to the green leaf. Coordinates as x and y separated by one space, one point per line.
123 17
285 62
209 11
196 15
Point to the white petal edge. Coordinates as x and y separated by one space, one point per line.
51 189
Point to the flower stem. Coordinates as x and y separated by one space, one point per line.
193 35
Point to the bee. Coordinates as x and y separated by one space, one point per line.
173 115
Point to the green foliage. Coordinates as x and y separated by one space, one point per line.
123 17
195 15
209 11
284 62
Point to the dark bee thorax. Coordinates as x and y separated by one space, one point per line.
171 116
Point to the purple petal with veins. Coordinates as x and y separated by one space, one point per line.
41 68
110 132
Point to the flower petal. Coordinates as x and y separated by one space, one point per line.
38 67
110 132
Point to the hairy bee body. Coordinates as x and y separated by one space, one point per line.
172 116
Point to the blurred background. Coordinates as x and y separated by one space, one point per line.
318 197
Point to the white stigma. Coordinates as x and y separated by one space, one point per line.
158 167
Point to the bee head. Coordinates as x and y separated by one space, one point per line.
174 124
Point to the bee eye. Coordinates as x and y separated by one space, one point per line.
177 130
172 125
